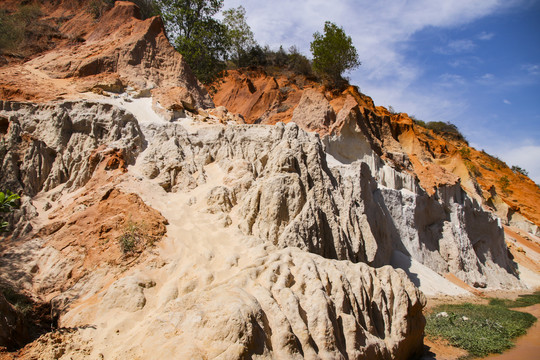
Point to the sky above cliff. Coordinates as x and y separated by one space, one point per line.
475 64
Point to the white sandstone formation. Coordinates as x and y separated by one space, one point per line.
274 248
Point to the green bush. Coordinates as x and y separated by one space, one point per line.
135 237
479 329
148 8
520 170
197 35
22 303
8 202
13 26
504 184
465 152
417 121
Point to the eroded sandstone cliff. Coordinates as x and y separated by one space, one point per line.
154 227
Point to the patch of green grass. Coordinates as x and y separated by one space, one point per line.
521 301
479 329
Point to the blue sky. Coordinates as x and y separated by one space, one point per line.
475 63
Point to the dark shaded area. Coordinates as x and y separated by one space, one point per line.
22 318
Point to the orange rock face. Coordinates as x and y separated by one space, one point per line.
92 225
435 159
118 51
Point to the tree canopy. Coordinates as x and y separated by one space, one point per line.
239 33
333 53
200 38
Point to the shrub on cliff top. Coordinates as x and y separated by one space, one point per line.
520 170
13 26
445 128
333 53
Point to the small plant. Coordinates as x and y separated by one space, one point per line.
473 170
391 110
465 152
499 164
418 121
134 237
95 8
98 7
504 184
23 304
446 129
8 202
520 170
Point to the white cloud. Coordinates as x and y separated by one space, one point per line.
379 29
457 47
507 102
486 79
448 80
465 62
525 156
485 36
531 69
488 76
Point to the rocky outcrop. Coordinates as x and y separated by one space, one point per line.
275 302
56 149
290 304
62 143
295 195
314 112
435 159
117 53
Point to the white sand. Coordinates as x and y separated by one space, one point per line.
426 279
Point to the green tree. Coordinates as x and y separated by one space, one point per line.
8 201
239 33
200 38
333 53
298 62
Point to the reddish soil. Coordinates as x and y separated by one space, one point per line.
93 223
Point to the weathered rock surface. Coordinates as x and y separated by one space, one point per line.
314 112
360 212
54 150
290 304
59 143
258 299
435 159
